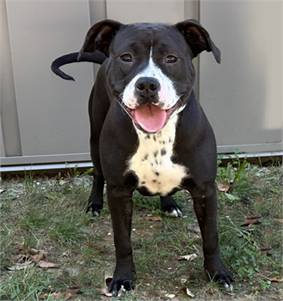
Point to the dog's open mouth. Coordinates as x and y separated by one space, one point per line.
151 118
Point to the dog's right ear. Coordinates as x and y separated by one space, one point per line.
99 36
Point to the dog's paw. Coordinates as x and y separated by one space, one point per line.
217 272
169 207
173 211
94 209
117 284
223 277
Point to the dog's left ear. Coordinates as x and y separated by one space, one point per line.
100 36
198 38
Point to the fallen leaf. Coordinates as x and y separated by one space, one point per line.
66 295
170 296
189 293
105 292
153 218
66 254
71 292
194 228
223 187
279 220
232 197
47 264
263 249
183 280
276 279
62 182
57 295
21 265
39 256
253 217
188 257
252 220
33 251
272 279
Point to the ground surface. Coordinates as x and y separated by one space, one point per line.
52 250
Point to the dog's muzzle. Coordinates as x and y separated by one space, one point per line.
146 90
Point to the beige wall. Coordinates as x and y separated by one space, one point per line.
243 96
44 119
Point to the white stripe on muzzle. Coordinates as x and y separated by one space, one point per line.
167 94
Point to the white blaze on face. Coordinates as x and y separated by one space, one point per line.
167 93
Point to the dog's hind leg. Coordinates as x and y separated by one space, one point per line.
170 207
95 201
97 115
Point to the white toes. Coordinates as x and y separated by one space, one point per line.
175 213
228 287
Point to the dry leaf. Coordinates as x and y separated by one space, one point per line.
170 296
38 257
21 265
71 292
33 251
223 187
66 254
188 257
47 264
153 218
57 295
272 279
66 295
105 292
276 279
189 293
279 220
252 220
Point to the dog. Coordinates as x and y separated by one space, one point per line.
148 131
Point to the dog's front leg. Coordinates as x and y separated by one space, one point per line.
205 205
121 207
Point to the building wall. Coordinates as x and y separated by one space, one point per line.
44 119
243 96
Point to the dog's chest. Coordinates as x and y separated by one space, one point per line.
152 161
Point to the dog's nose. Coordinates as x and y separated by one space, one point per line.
147 88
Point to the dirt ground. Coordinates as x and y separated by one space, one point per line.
52 250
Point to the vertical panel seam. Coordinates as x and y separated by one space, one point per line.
5 129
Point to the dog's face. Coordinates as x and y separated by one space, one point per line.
150 70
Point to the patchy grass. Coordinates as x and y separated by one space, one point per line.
47 215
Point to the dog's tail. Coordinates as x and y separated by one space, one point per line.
75 57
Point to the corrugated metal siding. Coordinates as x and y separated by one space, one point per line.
44 119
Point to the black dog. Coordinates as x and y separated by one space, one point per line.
148 131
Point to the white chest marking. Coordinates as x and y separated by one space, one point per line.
152 161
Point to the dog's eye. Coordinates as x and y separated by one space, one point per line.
170 59
126 57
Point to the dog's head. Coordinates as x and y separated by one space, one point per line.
150 70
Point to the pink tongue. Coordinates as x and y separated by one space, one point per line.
151 118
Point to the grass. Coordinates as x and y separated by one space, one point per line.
48 214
